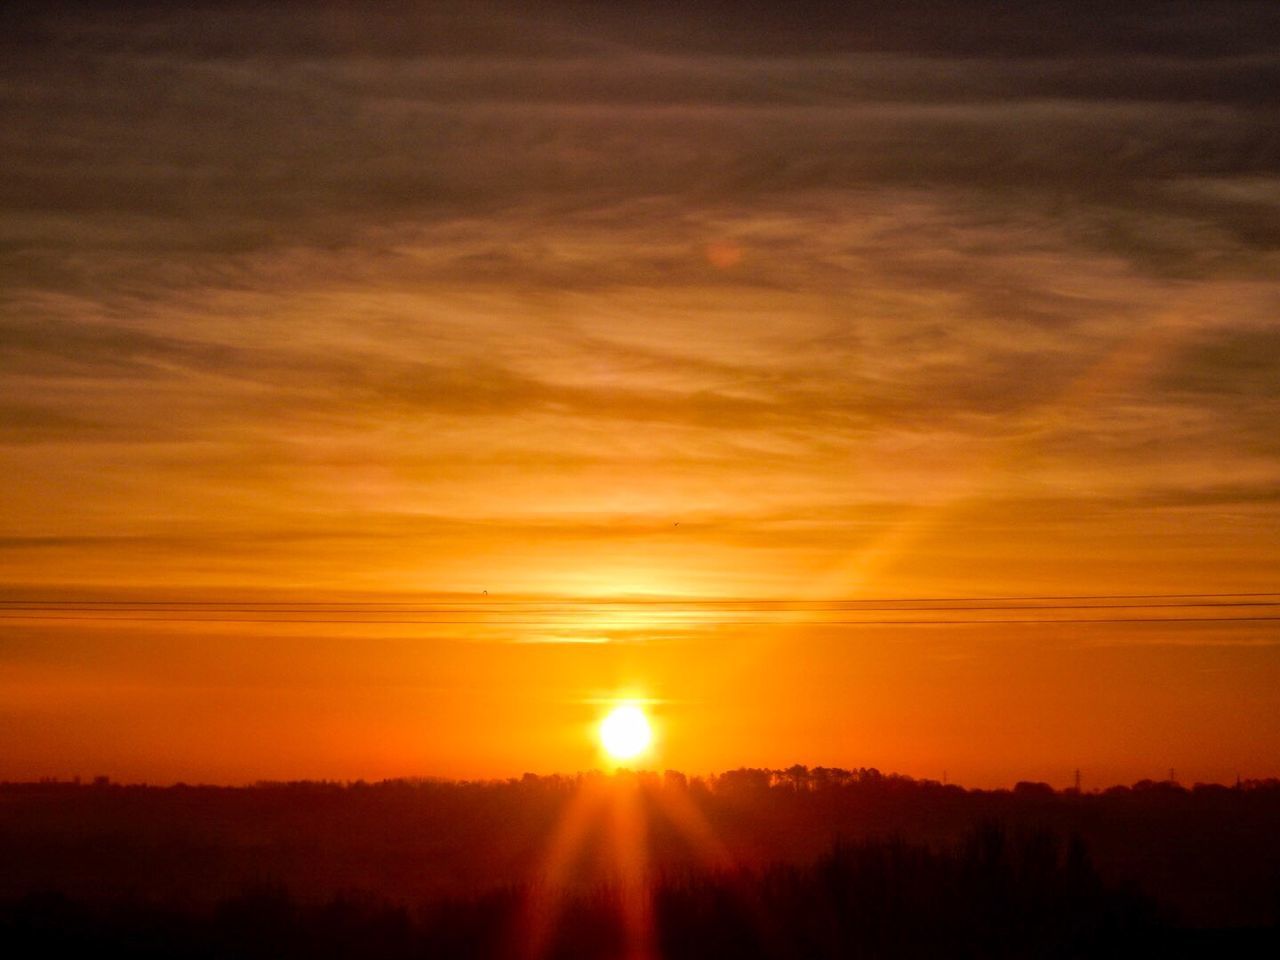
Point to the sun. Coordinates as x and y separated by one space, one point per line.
625 732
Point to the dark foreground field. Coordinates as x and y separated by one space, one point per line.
795 863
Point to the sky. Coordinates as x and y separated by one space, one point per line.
484 317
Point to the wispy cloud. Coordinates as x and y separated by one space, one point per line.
299 262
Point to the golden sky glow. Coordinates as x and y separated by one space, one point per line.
463 310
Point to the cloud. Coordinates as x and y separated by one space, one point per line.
224 129
302 260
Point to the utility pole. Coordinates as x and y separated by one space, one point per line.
1077 779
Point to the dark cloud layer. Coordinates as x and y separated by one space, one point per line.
1048 28
258 121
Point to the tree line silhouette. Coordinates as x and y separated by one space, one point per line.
820 856
993 894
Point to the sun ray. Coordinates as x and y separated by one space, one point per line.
689 821
630 845
546 890
1126 363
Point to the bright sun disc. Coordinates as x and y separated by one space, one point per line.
625 732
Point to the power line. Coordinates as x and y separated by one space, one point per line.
815 607
652 612
650 623
645 601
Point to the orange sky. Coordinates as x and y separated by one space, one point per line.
303 307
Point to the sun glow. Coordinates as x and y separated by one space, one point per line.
625 733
